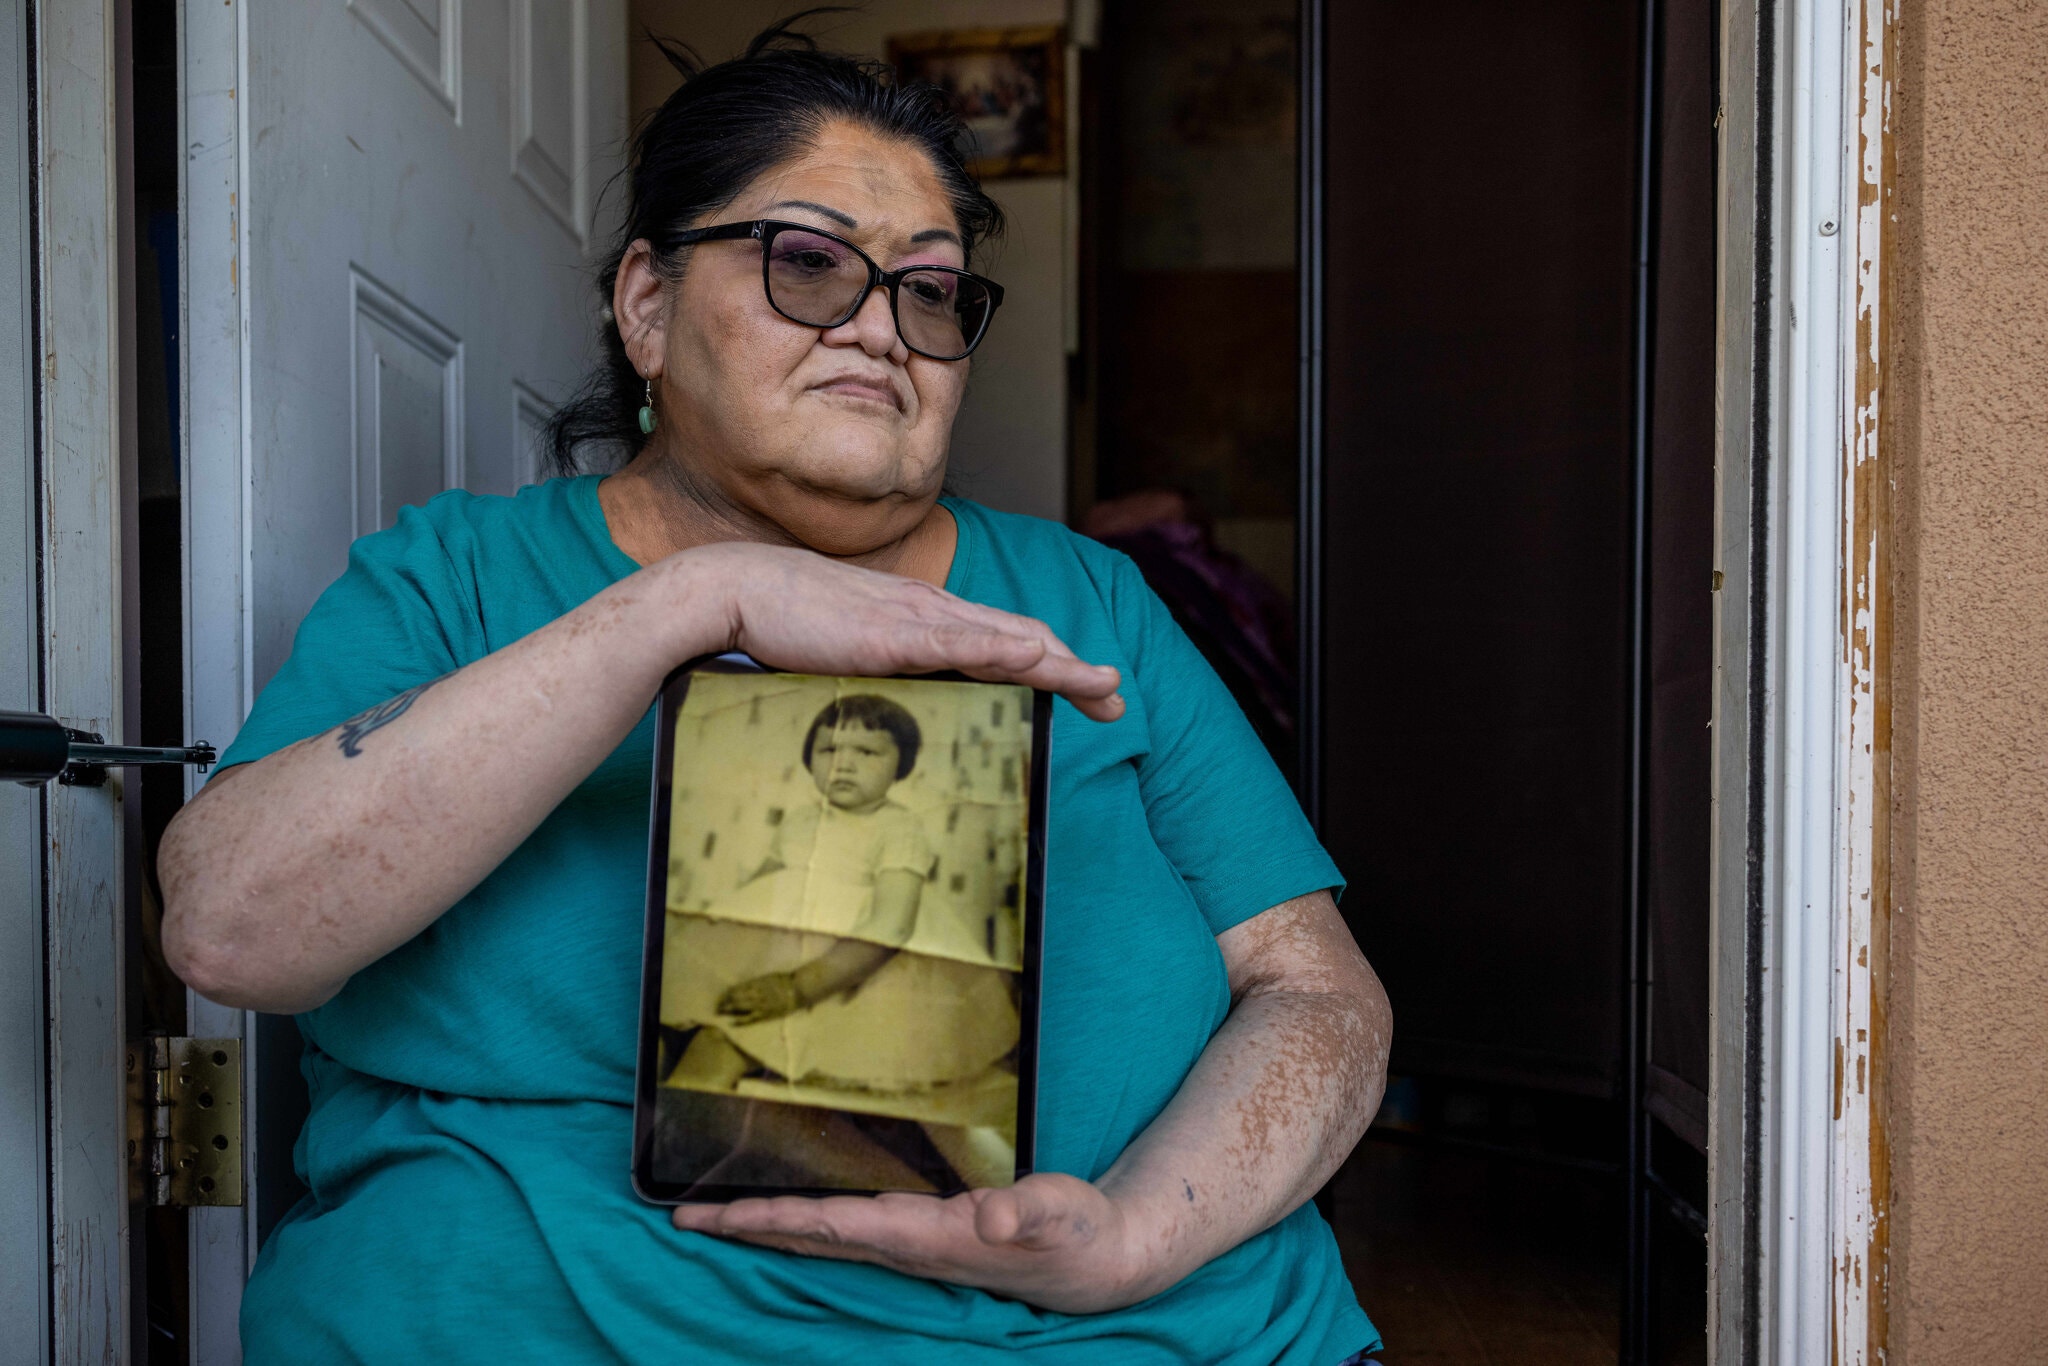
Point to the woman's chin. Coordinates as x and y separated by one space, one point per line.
843 510
880 473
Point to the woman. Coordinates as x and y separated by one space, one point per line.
428 841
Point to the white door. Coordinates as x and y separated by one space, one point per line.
389 206
28 1246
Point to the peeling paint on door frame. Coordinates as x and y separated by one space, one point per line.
1823 1188
1860 1225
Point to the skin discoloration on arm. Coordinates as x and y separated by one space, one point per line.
1277 1101
1303 1054
1283 1092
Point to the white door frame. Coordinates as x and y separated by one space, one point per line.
212 197
1802 766
82 392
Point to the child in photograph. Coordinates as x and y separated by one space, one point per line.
831 1000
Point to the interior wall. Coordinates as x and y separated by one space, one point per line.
1197 372
1969 414
1010 441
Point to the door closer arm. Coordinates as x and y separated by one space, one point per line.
35 748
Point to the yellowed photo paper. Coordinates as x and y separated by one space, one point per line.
843 931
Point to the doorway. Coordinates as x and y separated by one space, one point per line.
153 669
1796 1191
1454 402
301 354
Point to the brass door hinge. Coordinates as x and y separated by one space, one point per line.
185 1121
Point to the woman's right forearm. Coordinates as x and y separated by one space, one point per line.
284 878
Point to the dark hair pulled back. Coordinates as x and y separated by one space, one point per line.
725 126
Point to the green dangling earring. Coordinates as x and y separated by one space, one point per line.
647 420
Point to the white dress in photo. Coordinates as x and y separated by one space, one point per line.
919 1021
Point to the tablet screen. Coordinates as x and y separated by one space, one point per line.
840 991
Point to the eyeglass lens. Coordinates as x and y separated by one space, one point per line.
818 280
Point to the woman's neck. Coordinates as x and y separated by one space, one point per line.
653 509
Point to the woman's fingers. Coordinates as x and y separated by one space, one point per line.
1035 661
866 1228
1027 651
800 611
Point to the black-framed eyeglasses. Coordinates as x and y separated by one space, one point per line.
820 280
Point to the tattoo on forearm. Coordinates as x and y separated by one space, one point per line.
356 728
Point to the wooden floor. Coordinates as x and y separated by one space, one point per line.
1471 1261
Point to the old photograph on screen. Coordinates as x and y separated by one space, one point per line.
843 934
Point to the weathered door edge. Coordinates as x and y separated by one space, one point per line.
1823 1188
213 194
78 173
1745 280
24 1152
1861 1227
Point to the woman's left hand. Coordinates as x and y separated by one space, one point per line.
1275 1102
1050 1240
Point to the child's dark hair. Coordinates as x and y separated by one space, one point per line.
722 128
870 712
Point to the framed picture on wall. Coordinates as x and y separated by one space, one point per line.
1008 86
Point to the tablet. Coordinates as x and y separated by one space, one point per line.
844 894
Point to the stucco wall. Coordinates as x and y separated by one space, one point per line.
1969 1042
1010 440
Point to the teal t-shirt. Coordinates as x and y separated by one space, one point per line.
469 1140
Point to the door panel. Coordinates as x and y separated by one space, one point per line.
388 208
408 405
423 34
548 122
418 178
